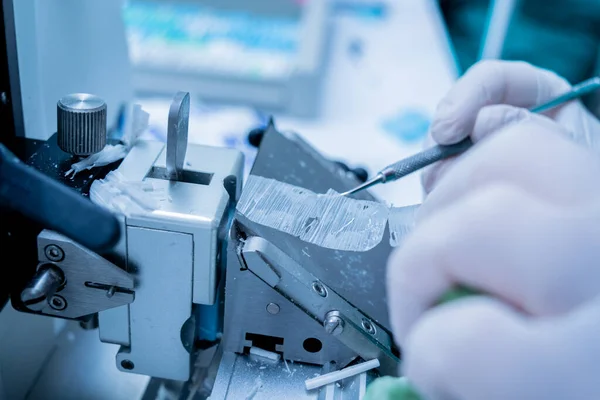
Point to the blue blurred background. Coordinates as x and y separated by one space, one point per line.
359 79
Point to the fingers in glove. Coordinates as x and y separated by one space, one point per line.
489 120
501 241
492 82
432 174
479 348
533 153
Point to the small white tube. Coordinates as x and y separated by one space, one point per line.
335 376
257 351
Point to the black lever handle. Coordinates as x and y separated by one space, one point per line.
55 206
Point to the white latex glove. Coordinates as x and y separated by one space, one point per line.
517 217
493 94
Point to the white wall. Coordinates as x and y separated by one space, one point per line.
67 46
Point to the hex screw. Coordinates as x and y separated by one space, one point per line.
368 326
54 253
319 288
57 303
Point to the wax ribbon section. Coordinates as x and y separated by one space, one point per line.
327 220
401 221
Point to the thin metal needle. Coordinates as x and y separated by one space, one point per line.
379 178
436 153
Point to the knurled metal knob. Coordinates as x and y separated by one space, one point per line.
81 124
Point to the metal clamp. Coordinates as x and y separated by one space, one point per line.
305 291
73 281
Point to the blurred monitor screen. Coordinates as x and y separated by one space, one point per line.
259 42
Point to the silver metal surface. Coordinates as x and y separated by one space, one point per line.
273 308
114 325
177 134
295 283
195 208
163 263
174 250
114 322
88 277
356 277
250 377
247 321
81 124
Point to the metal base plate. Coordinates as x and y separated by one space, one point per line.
256 378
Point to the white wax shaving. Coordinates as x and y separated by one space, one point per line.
111 153
401 222
328 220
257 351
139 123
122 196
335 376
287 367
338 222
257 385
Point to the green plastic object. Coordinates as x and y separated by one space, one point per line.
457 293
392 388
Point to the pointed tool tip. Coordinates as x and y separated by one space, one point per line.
366 185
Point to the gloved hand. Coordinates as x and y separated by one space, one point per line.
493 94
517 217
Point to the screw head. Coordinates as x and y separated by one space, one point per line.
54 253
368 326
273 308
57 303
334 324
319 288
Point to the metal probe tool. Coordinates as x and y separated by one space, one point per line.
427 157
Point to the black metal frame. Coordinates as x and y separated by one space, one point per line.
34 193
11 111
8 132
